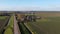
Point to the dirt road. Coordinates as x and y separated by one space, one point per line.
16 28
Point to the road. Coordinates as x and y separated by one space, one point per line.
16 28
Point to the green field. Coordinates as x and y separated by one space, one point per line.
48 25
3 17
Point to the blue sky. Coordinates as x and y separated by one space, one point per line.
27 5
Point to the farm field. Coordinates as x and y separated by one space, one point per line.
48 24
3 20
48 14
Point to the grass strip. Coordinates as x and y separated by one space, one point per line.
29 28
9 29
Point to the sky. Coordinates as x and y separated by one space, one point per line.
30 5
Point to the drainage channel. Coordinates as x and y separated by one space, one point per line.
23 29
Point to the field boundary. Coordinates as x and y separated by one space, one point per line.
29 28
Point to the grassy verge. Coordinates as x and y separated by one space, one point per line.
31 27
9 29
